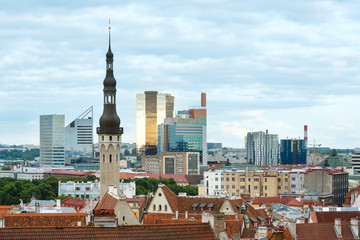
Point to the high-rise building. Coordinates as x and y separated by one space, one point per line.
109 132
355 159
151 110
293 151
186 132
79 135
262 148
52 140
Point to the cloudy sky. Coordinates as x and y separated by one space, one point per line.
273 65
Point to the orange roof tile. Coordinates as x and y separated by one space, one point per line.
156 218
44 219
125 232
109 201
321 231
171 197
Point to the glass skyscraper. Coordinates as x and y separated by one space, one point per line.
52 142
293 151
151 110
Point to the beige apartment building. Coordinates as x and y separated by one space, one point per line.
265 183
183 163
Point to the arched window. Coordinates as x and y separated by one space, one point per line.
117 158
154 207
103 157
110 157
165 207
159 207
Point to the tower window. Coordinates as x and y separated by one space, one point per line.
110 158
102 137
117 159
118 137
159 207
103 157
110 138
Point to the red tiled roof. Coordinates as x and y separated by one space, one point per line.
233 227
125 232
322 217
78 204
4 210
264 200
321 231
176 177
156 218
171 197
69 172
108 202
250 210
294 203
44 219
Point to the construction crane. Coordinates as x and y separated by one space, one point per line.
314 152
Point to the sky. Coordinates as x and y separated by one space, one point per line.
275 65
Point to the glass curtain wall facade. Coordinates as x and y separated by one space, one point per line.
151 110
52 140
293 151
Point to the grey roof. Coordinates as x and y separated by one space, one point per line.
42 203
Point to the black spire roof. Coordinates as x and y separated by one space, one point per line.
109 121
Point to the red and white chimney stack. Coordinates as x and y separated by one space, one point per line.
305 133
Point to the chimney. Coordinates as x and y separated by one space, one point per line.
203 99
305 133
177 214
219 223
186 214
111 189
115 191
236 216
37 207
355 227
58 204
337 226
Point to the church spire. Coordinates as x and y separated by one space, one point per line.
109 121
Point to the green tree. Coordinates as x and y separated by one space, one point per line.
126 152
6 168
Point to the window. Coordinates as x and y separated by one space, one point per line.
110 157
265 179
242 179
77 188
123 218
110 138
265 187
242 187
293 185
233 186
256 180
249 179
279 187
227 179
286 188
216 179
154 207
233 194
159 207
216 186
103 157
292 179
165 207
256 187
286 180
233 179
279 179
102 138
87 189
118 137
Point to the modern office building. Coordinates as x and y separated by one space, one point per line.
214 145
52 142
262 148
183 163
79 135
293 151
355 159
186 132
109 132
151 110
